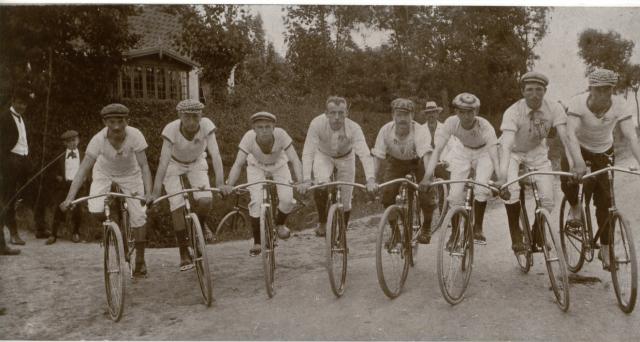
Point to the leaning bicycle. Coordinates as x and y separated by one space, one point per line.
579 243
117 251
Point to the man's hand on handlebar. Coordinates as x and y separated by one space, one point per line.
424 184
372 186
226 189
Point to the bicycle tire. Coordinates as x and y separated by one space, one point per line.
200 260
625 259
554 257
114 279
268 250
442 206
525 260
337 252
387 246
234 221
452 247
127 235
417 219
572 242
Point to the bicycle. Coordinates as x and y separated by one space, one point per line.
116 252
554 261
400 246
336 237
456 243
235 222
581 241
268 234
197 249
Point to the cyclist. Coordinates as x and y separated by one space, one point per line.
332 142
117 155
266 150
525 127
478 145
591 119
405 146
183 153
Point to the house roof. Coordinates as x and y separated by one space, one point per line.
157 30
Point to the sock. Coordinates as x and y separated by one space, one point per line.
321 197
513 216
347 216
478 213
255 228
140 246
280 218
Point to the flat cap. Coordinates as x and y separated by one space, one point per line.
534 77
432 107
189 106
114 109
403 105
69 134
263 116
602 77
466 101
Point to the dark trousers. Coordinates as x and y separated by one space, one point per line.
59 217
396 168
599 187
16 170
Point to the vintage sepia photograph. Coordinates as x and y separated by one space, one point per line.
319 171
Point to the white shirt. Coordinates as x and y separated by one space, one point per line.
415 145
321 138
112 162
21 148
71 164
531 127
276 157
188 150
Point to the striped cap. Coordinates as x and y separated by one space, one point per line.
263 116
602 78
534 77
466 101
404 105
190 106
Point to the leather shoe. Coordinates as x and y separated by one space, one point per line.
75 238
16 240
51 240
9 251
283 232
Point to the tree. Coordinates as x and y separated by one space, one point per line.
604 50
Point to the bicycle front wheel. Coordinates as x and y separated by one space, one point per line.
267 242
442 205
114 269
455 255
337 251
624 267
525 259
392 252
554 260
572 239
200 259
417 219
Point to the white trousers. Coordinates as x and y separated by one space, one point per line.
323 166
196 173
129 185
280 173
538 159
460 161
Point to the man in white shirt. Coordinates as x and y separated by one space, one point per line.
332 143
64 173
591 118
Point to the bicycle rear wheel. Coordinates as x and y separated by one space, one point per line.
573 240
337 251
235 224
267 242
554 260
114 279
624 266
442 205
200 259
417 219
392 253
455 256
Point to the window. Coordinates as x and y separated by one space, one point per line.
174 85
151 83
183 84
160 82
137 82
126 83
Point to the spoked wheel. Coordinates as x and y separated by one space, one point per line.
337 251
442 205
624 267
525 259
235 224
573 239
417 218
455 255
556 266
267 242
114 270
392 253
200 259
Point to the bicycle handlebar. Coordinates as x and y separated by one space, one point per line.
322 185
110 194
533 173
631 170
264 181
399 180
184 191
443 182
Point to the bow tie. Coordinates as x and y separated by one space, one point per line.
72 154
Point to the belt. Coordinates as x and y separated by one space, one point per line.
346 154
477 147
183 162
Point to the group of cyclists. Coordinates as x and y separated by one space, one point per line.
117 155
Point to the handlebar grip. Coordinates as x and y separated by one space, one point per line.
633 168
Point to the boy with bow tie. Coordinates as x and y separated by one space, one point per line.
64 173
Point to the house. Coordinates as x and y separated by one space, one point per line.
154 69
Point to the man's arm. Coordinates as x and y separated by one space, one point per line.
165 156
572 149
295 162
364 154
309 151
216 160
85 166
234 174
573 124
146 172
506 143
629 132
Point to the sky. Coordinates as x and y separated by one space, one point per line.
558 50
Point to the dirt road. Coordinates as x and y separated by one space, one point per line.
57 292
